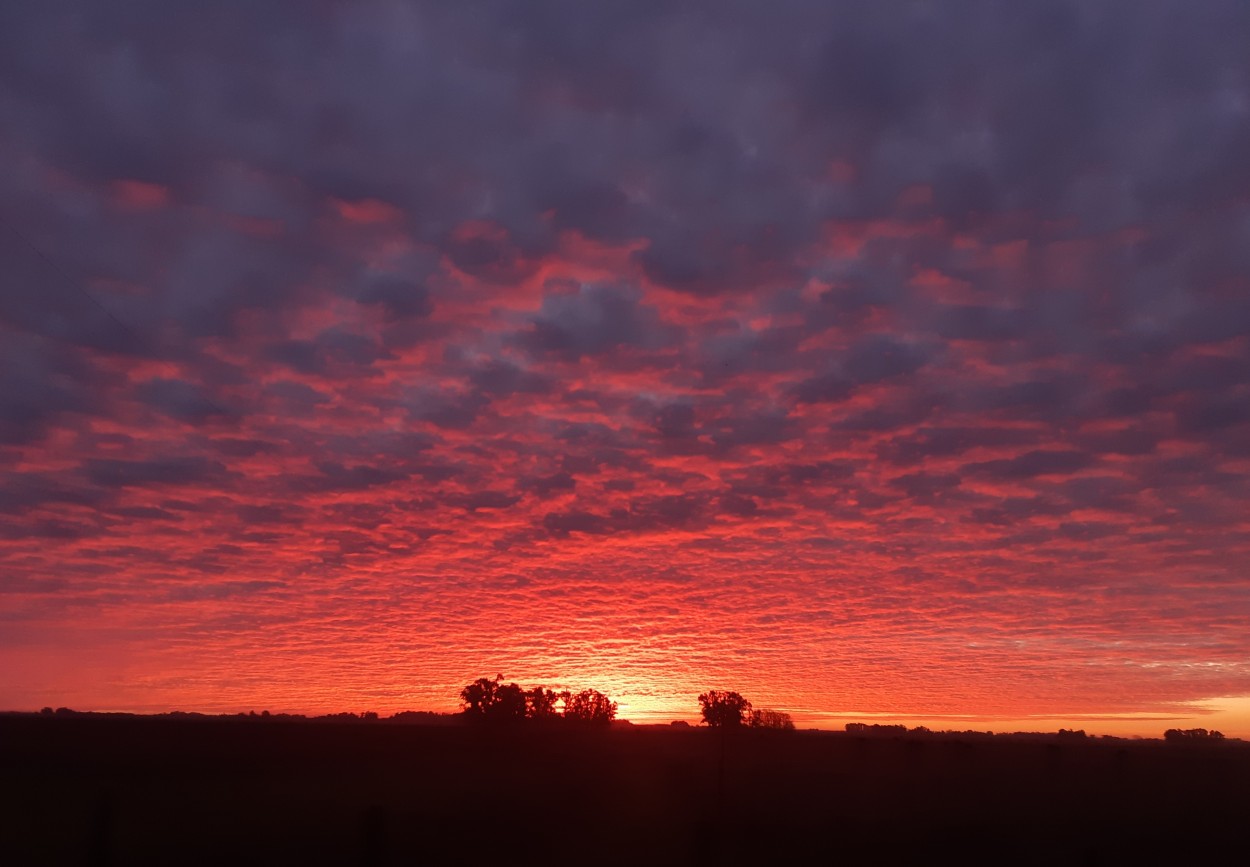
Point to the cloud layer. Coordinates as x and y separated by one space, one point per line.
860 359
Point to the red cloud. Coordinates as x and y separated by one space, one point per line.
367 211
131 195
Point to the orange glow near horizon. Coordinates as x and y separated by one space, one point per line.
1229 715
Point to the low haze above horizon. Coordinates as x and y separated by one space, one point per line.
881 362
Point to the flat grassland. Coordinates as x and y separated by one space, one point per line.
96 790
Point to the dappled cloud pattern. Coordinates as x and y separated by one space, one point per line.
862 359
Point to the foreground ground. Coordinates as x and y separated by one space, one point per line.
145 791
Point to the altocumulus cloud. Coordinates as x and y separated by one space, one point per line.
904 346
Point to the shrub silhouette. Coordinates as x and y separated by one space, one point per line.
723 709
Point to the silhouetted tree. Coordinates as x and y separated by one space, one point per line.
541 703
724 709
477 696
771 719
509 703
493 700
589 706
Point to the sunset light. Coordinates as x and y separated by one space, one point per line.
883 366
715 432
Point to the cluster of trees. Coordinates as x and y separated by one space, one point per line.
496 701
895 730
723 709
60 711
859 728
1192 735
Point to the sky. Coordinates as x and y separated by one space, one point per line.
877 361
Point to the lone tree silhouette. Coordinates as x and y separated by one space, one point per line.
589 706
723 709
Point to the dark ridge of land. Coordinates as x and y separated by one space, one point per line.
97 789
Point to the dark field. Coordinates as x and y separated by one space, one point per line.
142 791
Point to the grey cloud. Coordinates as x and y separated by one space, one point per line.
476 500
577 521
1039 462
738 505
119 473
761 427
1014 510
450 410
644 514
333 350
948 441
21 492
871 360
269 513
39 384
676 421
399 299
335 476
980 322
545 486
296 397
824 388
179 399
1101 492
593 320
883 357
499 378
237 447
926 486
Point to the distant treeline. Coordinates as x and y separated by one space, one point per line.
859 728
1171 735
422 717
1192 735
719 710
